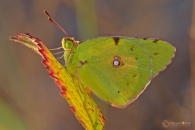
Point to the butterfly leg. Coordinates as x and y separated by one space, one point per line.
78 75
61 57
56 48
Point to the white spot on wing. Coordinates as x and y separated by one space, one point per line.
116 63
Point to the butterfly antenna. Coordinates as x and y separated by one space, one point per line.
55 23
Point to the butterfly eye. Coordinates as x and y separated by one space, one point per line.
117 62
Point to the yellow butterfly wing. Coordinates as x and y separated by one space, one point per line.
118 69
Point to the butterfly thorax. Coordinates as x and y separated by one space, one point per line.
68 44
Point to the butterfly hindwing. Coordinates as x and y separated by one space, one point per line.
118 69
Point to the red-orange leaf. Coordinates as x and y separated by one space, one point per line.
77 95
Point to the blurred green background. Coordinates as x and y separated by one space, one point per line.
29 99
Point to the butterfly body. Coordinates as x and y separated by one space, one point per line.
117 69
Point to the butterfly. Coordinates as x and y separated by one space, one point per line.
117 69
